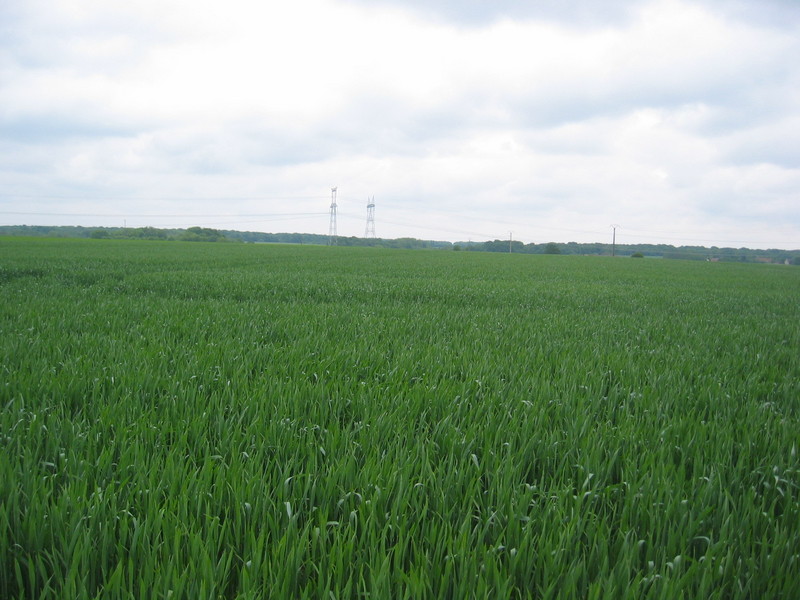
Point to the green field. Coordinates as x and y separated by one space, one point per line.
261 421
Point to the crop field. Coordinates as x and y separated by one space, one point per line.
188 420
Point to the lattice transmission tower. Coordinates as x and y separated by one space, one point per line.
332 226
369 232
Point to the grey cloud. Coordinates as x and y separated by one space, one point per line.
238 146
263 146
774 144
380 124
732 102
54 128
586 13
781 14
475 12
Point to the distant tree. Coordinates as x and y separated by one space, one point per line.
496 246
99 234
202 234
637 255
552 248
147 233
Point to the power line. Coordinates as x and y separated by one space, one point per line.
643 236
161 216
703 240
162 198
430 228
332 227
239 221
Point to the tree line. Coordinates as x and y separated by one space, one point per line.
205 234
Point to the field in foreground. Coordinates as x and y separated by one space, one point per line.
240 421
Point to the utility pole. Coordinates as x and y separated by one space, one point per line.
614 240
369 232
332 226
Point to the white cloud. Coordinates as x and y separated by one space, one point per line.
651 113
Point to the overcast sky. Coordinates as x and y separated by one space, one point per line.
676 120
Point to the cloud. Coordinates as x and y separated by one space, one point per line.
545 117
477 12
583 14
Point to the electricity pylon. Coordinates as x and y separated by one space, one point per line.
369 232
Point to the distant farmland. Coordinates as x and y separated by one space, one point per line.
264 421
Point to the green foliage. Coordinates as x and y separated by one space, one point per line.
637 255
552 248
514 246
201 234
144 233
322 240
517 247
252 421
